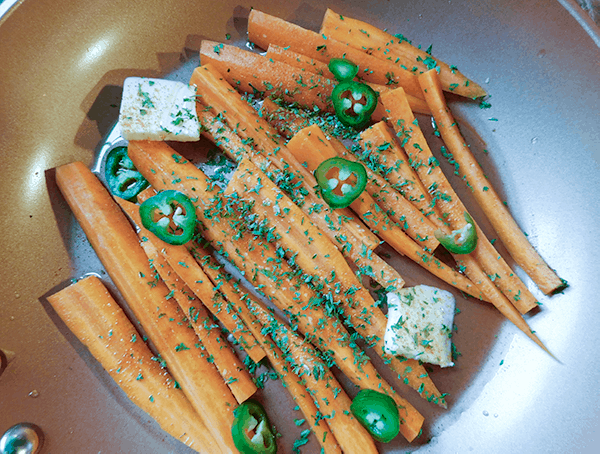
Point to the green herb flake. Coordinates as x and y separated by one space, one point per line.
181 347
217 48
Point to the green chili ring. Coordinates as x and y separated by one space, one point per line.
341 181
123 179
171 216
378 413
461 241
251 430
343 69
354 102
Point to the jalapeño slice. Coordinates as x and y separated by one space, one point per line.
122 177
251 430
461 241
171 216
354 102
341 181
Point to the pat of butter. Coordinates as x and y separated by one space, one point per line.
157 109
419 324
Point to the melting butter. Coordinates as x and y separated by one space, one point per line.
419 324
157 109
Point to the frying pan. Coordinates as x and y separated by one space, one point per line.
62 66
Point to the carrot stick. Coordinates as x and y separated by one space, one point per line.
353 238
267 149
307 64
223 356
96 319
373 266
254 73
285 55
314 149
345 231
509 232
226 285
295 386
322 385
352 246
264 29
232 290
258 261
431 175
285 120
214 129
313 251
383 153
117 246
251 72
379 143
229 366
182 262
401 211
376 42
446 199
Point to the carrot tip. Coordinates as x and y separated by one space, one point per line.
561 288
536 339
